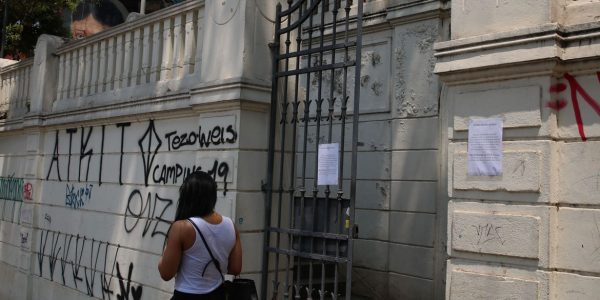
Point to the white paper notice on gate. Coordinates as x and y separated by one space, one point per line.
328 164
484 148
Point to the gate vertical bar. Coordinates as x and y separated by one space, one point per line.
280 189
292 190
271 155
351 234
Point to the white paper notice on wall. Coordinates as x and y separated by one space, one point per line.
328 164
485 147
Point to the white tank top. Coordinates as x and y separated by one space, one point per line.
221 239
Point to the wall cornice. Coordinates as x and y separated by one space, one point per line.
526 52
226 95
417 11
231 89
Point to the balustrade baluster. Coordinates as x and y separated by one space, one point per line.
137 57
81 62
11 99
8 89
94 75
110 65
4 99
2 93
119 55
102 66
61 77
87 73
190 43
95 65
23 83
127 60
72 73
27 87
157 46
146 54
16 90
18 87
165 70
199 35
178 47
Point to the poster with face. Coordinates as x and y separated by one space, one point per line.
93 16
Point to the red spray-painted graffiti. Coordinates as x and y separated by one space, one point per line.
28 192
575 90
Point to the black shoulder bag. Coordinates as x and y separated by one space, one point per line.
239 288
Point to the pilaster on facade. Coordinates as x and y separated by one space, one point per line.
528 233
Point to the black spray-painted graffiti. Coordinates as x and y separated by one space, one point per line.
11 188
11 211
149 149
24 239
488 232
139 207
78 197
125 286
150 143
173 173
217 136
68 250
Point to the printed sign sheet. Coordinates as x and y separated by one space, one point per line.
329 164
485 147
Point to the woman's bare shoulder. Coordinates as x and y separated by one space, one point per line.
182 228
184 232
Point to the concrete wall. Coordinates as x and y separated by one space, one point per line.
530 233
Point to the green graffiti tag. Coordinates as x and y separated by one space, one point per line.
11 188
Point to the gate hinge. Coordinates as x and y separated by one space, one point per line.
355 231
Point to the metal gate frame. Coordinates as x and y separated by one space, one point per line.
338 233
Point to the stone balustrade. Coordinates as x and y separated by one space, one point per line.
14 88
152 56
160 47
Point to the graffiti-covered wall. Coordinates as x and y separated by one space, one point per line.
95 210
111 189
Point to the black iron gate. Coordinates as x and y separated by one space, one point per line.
311 184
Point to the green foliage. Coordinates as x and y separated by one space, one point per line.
28 19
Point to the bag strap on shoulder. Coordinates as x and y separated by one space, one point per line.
212 257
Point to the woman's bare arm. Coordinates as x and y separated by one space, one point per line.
234 266
169 262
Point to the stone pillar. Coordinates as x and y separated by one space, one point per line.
235 67
236 76
42 90
530 233
44 74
